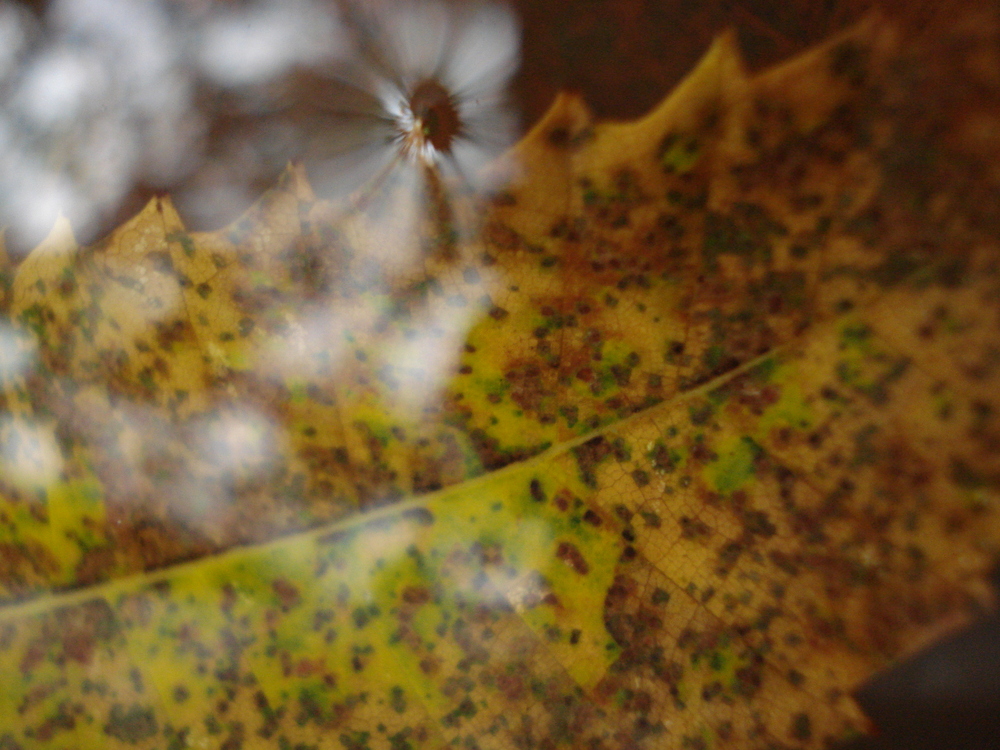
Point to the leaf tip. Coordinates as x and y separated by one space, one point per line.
562 125
59 238
296 182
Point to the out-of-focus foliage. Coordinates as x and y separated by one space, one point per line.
100 97
668 443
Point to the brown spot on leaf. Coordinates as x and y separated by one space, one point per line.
569 554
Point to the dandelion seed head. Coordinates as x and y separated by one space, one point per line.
437 74
428 122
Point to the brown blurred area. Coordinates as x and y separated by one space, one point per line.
624 56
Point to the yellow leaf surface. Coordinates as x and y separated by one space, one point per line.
670 442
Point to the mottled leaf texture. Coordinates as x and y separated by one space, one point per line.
669 443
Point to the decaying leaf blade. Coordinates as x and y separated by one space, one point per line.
671 441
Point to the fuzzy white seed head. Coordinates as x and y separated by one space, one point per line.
436 76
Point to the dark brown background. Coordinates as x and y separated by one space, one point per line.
623 56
